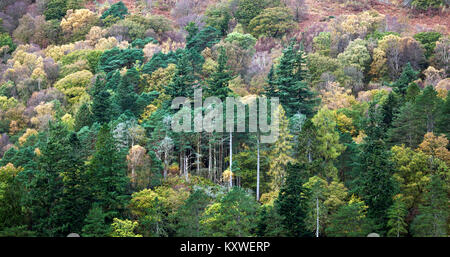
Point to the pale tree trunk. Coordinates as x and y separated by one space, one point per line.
231 160
198 154
166 158
209 161
317 219
185 167
257 170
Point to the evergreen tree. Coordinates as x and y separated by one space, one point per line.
234 214
118 10
218 84
44 200
396 214
374 170
190 213
101 105
350 220
292 202
126 96
434 213
75 200
108 174
270 87
183 81
408 75
388 111
94 224
406 128
294 93
83 117
426 108
443 120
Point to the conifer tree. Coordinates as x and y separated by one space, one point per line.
94 224
101 105
183 81
396 214
292 202
408 75
443 120
434 213
294 93
374 170
108 174
46 188
218 84
126 91
83 117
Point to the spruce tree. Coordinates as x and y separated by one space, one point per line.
290 81
218 84
101 105
443 120
108 174
44 200
434 213
292 202
374 170
408 75
182 84
94 224
83 117
75 201
126 91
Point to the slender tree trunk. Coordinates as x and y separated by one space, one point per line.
317 219
198 153
166 158
231 160
209 161
257 169
185 166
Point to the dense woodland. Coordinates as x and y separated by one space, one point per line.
86 144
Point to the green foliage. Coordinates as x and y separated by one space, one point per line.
190 214
218 17
117 58
218 83
124 228
374 181
349 221
95 225
11 193
408 76
396 223
249 9
55 9
234 214
101 103
46 194
434 212
290 83
428 41
427 4
291 203
117 10
140 43
272 22
322 43
126 91
6 40
108 175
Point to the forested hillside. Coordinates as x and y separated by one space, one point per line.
86 139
